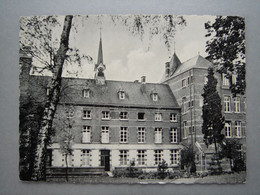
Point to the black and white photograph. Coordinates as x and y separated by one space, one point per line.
132 99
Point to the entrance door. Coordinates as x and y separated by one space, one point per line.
105 159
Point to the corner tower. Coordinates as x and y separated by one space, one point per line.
100 67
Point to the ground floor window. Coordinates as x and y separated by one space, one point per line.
141 157
175 157
228 133
157 156
85 154
123 157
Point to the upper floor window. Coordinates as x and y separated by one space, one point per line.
69 113
225 80
173 135
158 117
173 117
141 135
238 129
86 134
104 134
237 104
183 83
190 80
158 135
47 91
141 116
155 97
121 95
124 135
228 132
86 114
105 115
227 107
86 93
123 115
184 104
234 79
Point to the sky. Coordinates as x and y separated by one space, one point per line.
126 56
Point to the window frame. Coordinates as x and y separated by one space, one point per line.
142 118
123 115
123 157
141 157
121 95
174 157
227 104
141 131
85 158
238 129
158 156
105 133
123 135
158 135
155 97
105 115
225 81
228 129
173 117
86 114
86 134
157 116
237 105
173 135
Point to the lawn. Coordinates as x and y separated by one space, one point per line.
225 178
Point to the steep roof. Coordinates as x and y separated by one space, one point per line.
195 62
174 63
136 93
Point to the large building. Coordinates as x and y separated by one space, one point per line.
186 81
109 124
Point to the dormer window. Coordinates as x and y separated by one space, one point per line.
155 97
86 93
121 95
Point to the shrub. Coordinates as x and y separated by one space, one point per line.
161 170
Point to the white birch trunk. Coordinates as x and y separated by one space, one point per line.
51 104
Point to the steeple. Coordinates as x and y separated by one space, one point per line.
100 52
100 67
174 63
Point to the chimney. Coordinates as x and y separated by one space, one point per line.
167 69
143 78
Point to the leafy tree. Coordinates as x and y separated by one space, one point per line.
51 49
188 159
229 149
213 121
226 49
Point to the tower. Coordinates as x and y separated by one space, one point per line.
100 67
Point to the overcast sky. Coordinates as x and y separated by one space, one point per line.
126 57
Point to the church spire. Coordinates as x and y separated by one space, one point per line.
100 52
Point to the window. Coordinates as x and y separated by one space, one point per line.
141 157
158 135
184 134
238 129
86 134
225 80
173 135
227 104
173 117
141 135
69 113
121 95
228 129
123 154
123 115
105 115
104 134
190 103
190 80
157 156
237 104
85 93
86 114
183 104
85 154
175 157
155 97
183 83
123 134
141 116
158 117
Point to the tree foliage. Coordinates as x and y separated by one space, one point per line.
213 121
226 49
188 158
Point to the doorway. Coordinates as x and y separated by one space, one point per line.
105 159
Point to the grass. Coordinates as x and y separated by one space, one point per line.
220 179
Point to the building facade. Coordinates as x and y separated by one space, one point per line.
186 81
